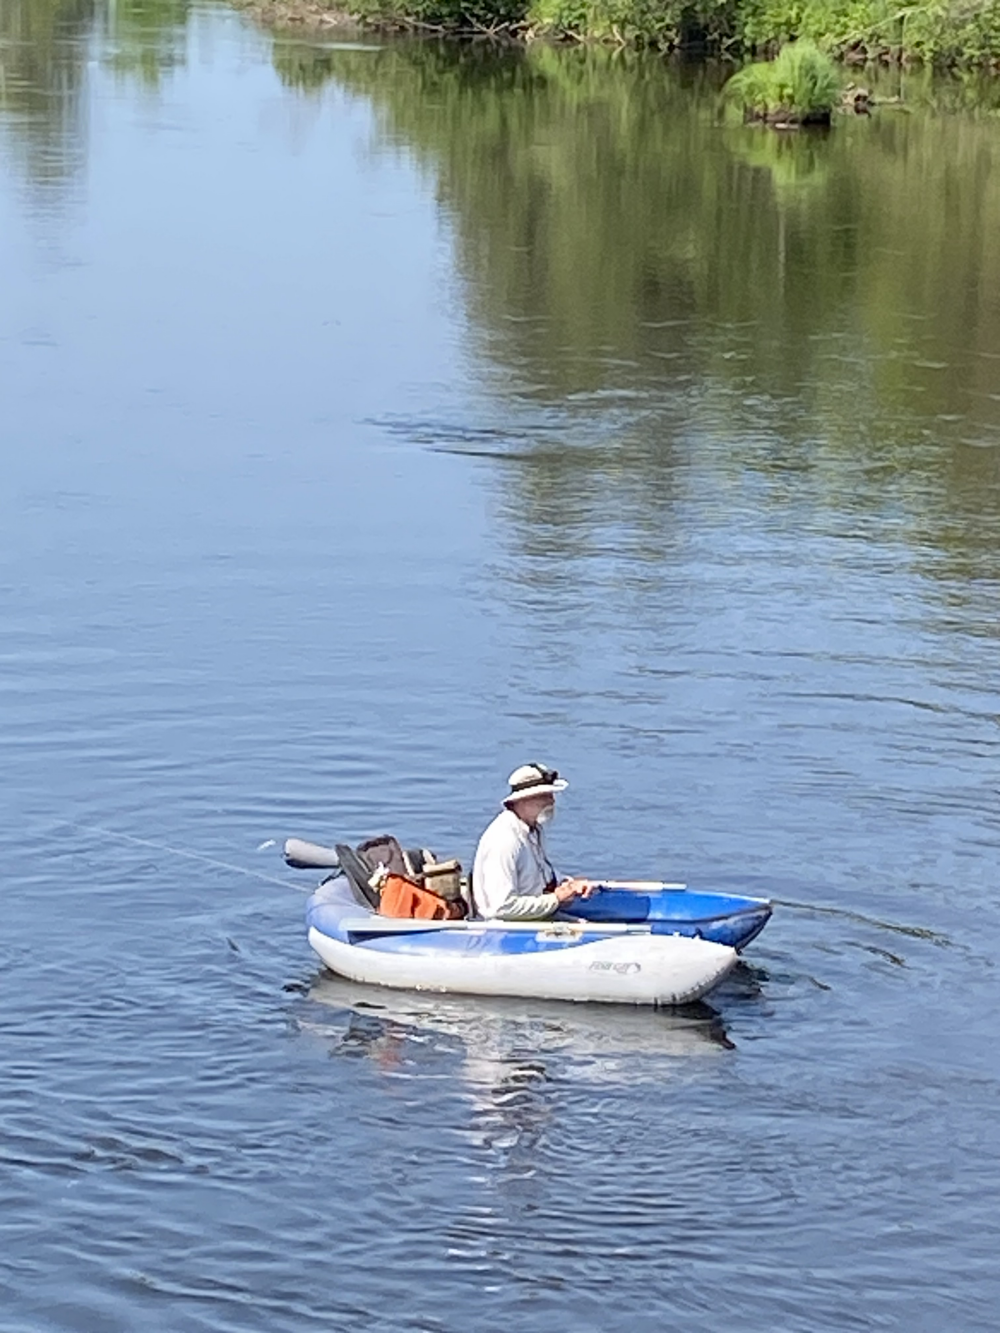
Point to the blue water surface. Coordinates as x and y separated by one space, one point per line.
324 505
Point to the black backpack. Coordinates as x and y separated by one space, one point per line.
360 863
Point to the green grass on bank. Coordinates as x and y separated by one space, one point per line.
800 84
942 31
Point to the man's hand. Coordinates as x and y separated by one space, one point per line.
573 888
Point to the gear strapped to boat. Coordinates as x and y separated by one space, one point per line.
402 898
401 883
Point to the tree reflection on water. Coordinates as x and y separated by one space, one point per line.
658 295
652 286
42 74
45 47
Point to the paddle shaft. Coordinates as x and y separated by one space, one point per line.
641 885
395 925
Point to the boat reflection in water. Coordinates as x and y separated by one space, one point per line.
506 1044
511 1061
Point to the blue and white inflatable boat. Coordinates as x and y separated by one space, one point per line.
613 961
632 942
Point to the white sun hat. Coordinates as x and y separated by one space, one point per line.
533 780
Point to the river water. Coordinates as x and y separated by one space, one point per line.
376 418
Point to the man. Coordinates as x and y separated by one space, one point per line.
512 878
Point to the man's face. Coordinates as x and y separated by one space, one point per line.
547 812
539 809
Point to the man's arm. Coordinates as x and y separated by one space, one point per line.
527 907
538 906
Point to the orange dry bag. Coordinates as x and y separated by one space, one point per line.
401 897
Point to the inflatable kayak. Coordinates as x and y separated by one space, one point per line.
622 962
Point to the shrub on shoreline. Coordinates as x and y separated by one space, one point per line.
800 86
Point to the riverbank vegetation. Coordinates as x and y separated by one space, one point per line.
934 31
801 86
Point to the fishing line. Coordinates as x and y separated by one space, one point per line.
190 856
815 909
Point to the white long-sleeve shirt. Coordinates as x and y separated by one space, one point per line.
511 874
